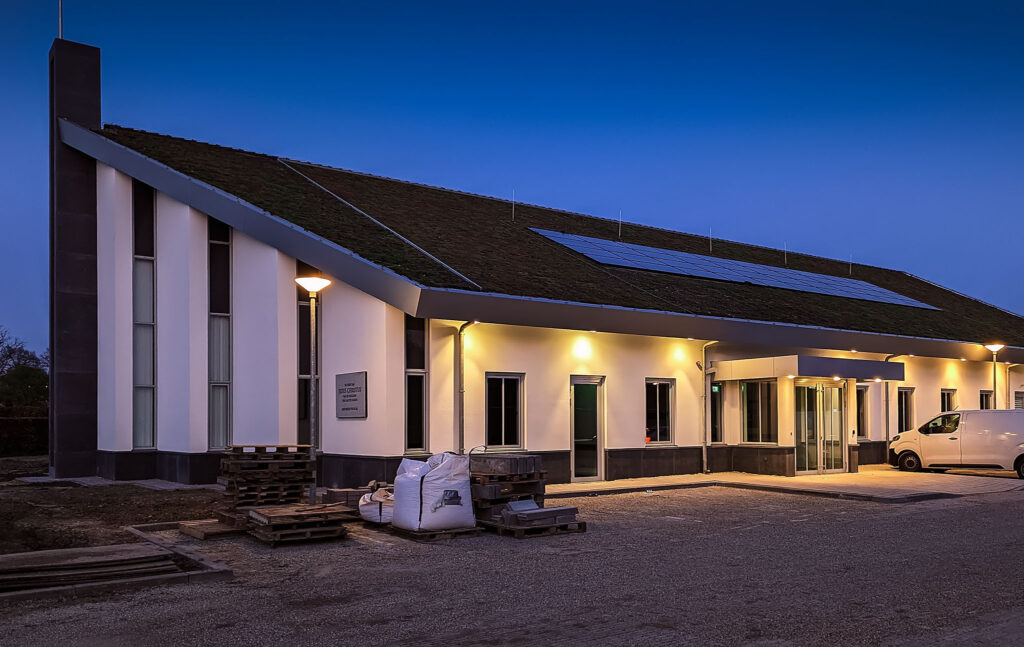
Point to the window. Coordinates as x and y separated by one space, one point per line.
905 409
1018 400
862 411
760 401
945 424
948 400
305 379
717 393
219 342
504 404
143 317
659 410
985 400
415 383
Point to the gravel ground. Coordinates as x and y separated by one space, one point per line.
711 566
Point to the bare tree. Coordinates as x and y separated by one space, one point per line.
13 353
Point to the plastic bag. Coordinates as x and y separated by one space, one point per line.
377 506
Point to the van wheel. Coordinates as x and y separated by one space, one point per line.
909 462
1020 467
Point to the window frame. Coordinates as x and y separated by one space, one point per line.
670 382
951 393
991 397
863 411
424 372
302 299
909 413
1018 398
720 410
211 383
151 259
521 410
774 419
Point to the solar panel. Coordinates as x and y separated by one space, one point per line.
613 252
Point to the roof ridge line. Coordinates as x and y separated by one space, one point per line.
380 224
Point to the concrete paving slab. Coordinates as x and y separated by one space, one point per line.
880 483
98 481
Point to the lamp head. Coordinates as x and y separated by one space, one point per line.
312 283
994 348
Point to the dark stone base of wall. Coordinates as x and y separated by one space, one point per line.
777 461
853 460
651 461
349 470
24 436
180 467
872 452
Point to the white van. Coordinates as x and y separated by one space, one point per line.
981 439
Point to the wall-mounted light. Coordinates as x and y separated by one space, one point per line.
836 378
582 349
878 379
790 376
312 283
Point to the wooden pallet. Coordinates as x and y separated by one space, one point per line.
484 479
65 567
277 537
290 514
434 535
484 504
527 532
267 451
209 529
230 467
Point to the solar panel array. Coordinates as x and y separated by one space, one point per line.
612 252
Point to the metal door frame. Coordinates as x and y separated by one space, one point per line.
819 387
599 381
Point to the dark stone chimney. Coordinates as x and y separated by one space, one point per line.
75 96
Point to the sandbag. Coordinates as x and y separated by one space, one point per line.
433 495
377 506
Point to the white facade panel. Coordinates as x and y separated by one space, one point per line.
182 309
114 309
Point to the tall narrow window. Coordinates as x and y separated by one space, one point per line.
985 400
143 318
905 409
219 343
760 403
1018 400
948 400
306 380
504 405
659 410
415 384
717 393
862 411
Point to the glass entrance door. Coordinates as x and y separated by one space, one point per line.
819 428
586 428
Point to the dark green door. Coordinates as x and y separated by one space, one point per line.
584 430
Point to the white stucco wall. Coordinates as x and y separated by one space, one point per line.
264 347
362 333
548 357
182 319
113 309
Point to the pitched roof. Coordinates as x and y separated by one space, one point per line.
450 239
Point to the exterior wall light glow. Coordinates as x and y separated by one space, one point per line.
853 350
878 379
836 378
790 376
994 348
963 359
312 283
582 349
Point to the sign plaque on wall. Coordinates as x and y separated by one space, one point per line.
350 392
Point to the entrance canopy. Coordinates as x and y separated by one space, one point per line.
807 366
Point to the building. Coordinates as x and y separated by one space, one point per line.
456 321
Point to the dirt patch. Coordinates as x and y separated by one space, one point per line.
44 517
14 467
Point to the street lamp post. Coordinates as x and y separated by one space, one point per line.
312 284
994 348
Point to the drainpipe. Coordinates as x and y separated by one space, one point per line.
704 409
460 383
887 405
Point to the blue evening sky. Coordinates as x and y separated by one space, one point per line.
892 131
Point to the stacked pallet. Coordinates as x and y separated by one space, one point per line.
74 566
508 497
281 524
257 475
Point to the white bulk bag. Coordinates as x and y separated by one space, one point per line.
378 506
434 495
